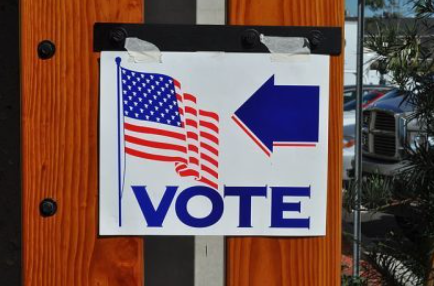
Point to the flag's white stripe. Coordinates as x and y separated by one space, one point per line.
178 91
209 166
190 116
210 129
209 132
155 125
209 141
209 177
154 151
209 119
156 138
209 153
195 156
209 159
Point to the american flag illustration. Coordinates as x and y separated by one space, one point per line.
162 123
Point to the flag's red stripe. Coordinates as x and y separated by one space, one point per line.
266 151
209 183
181 111
293 145
209 159
209 137
209 125
176 83
153 144
192 135
209 114
189 173
189 97
153 156
210 171
180 167
209 148
179 97
193 160
155 131
191 110
191 122
193 148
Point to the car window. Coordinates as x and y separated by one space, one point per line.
351 105
349 95
391 94
370 96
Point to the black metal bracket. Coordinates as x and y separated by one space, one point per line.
189 38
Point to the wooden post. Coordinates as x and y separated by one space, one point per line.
296 261
60 148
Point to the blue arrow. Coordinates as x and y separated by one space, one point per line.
277 113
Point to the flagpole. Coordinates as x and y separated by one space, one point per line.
357 231
118 62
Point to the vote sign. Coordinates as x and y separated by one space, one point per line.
213 144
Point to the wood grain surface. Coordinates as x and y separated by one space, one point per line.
296 261
59 148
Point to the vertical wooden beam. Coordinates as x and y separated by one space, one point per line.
296 261
59 147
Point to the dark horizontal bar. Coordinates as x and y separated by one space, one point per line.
187 38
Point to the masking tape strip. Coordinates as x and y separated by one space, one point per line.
142 51
285 48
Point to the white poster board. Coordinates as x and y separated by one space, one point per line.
213 144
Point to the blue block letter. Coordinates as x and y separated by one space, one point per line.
154 217
246 194
216 210
278 206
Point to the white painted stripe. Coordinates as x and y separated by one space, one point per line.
212 12
209 257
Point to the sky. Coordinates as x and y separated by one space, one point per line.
351 7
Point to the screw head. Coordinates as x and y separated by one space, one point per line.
250 39
117 36
315 38
46 50
48 207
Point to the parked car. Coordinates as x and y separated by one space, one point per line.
368 98
387 128
348 144
350 91
349 128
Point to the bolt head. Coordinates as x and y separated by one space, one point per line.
117 36
315 38
48 207
46 50
250 39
